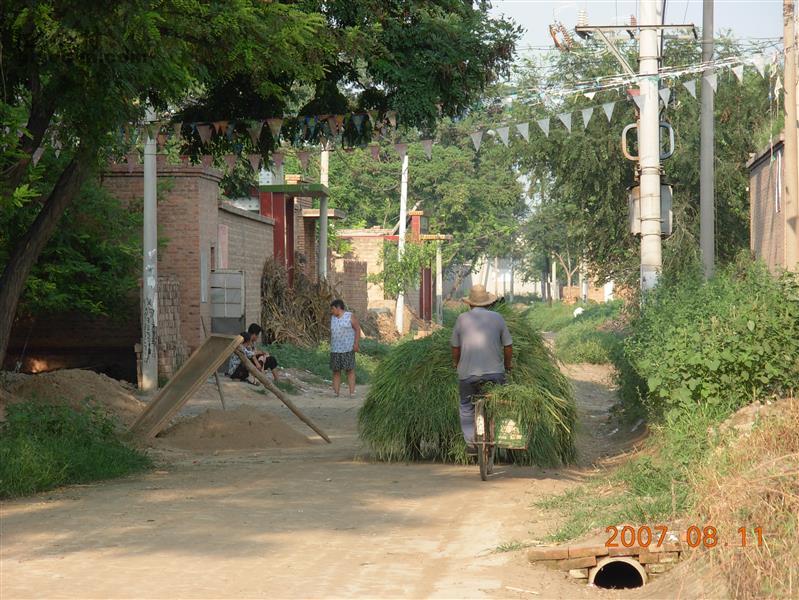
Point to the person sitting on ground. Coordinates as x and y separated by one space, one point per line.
482 351
236 369
263 360
345 334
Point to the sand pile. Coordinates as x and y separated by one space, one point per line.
241 428
74 387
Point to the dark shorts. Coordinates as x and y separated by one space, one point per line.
241 373
473 386
342 361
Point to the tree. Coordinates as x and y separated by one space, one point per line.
77 73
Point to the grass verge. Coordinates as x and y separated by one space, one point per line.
317 360
44 446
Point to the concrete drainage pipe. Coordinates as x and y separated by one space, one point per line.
617 572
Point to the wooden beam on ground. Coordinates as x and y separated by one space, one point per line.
261 376
191 375
216 372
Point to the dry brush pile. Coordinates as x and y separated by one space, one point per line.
411 411
298 314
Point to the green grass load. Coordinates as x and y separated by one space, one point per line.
411 411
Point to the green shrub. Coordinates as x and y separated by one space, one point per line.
726 342
42 447
411 411
317 360
543 317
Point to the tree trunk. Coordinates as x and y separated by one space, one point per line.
463 271
28 249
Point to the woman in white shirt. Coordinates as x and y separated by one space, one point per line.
345 333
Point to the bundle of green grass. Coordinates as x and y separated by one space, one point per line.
411 411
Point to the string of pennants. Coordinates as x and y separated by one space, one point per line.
329 127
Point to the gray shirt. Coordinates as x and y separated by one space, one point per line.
480 334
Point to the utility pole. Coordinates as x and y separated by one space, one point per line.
439 286
649 29
399 318
149 305
649 143
791 201
324 178
707 202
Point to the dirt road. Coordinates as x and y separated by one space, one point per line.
318 521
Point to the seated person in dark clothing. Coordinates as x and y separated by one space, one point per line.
263 360
235 369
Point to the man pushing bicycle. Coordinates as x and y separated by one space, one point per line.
482 350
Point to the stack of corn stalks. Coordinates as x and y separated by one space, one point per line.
298 314
411 411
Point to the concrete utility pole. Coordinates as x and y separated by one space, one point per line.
324 178
791 201
707 202
439 286
649 143
149 304
399 318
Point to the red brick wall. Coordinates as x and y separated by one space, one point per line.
349 278
766 225
187 219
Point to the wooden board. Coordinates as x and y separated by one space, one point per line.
201 364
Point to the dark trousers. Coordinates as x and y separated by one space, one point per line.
266 362
467 389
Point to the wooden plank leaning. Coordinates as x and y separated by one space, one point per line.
261 376
216 373
192 374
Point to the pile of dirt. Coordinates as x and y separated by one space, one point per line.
242 428
75 388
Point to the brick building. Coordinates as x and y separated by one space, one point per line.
766 211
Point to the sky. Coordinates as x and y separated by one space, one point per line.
746 18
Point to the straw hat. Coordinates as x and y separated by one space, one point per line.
478 296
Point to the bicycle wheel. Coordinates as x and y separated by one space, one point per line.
490 445
481 439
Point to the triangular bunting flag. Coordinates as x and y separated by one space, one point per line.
477 139
205 132
255 161
665 95
331 123
608 108
587 112
207 160
255 131
339 122
392 118
690 86
713 80
277 160
275 124
375 150
312 123
428 148
778 87
544 125
221 127
524 130
161 140
303 156
640 100
566 119
176 130
373 114
739 73
230 161
401 149
589 95
760 64
357 120
502 132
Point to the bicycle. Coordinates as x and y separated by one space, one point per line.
491 433
484 431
